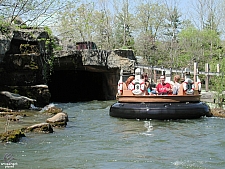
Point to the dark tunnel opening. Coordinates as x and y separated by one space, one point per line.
75 86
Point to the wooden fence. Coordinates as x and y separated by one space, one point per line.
154 72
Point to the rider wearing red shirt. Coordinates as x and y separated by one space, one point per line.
163 88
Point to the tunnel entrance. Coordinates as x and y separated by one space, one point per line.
77 85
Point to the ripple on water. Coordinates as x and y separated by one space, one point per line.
93 139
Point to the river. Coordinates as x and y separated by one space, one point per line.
94 140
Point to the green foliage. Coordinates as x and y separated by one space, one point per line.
24 27
173 24
4 26
48 30
218 85
16 91
202 46
50 46
149 23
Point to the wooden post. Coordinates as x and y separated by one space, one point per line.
187 73
182 73
196 80
168 76
195 72
218 69
162 71
155 77
152 75
206 77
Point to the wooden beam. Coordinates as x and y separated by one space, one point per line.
206 77
163 98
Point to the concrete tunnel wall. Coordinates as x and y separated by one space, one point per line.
80 85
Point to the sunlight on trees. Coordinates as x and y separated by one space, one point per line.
156 30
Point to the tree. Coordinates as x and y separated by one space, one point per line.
78 21
190 43
85 23
172 26
103 31
123 26
210 11
150 18
196 45
29 12
218 85
103 26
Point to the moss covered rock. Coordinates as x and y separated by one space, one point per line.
12 136
218 112
40 128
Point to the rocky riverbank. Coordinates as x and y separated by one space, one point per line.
42 121
217 112
54 118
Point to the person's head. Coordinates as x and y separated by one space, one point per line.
182 80
162 79
129 80
158 81
176 78
144 76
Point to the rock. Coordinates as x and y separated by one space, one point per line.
218 112
22 66
11 136
30 34
125 59
13 118
5 109
5 41
40 93
59 120
15 101
40 128
13 114
49 109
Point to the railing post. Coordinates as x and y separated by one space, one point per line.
162 71
155 76
182 73
218 69
207 77
168 75
195 72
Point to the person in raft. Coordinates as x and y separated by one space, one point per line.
163 88
176 85
129 82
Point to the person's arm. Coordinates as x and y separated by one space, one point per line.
157 88
169 89
175 90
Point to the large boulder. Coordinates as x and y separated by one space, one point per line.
118 58
40 128
15 101
11 136
23 67
51 109
59 120
5 41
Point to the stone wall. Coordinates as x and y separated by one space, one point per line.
22 60
24 68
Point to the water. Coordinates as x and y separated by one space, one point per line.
93 139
